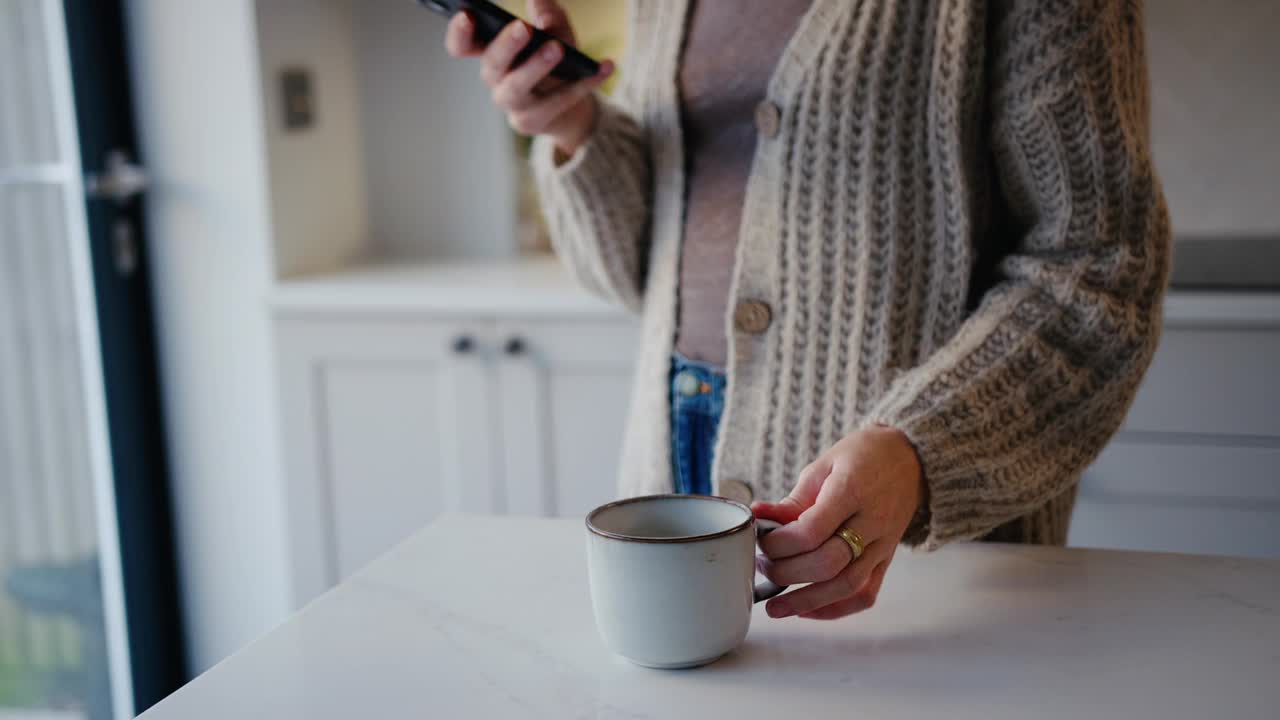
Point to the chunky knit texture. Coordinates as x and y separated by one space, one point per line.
958 229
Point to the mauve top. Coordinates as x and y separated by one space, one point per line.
730 52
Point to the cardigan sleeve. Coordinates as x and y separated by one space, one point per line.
1010 411
597 205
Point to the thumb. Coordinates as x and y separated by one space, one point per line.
549 16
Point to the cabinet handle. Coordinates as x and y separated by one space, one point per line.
515 347
464 344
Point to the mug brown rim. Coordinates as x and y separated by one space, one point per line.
745 524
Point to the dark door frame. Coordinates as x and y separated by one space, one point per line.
97 44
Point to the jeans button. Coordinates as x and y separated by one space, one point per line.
737 490
687 383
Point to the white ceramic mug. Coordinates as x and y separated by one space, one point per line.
672 577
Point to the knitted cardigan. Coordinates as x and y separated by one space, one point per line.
957 227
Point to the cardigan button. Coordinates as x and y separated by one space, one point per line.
737 490
752 316
768 119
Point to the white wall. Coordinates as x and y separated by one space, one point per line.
199 106
439 155
409 159
319 204
1215 77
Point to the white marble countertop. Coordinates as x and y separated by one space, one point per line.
490 617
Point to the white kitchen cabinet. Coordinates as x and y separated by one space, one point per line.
1196 467
1222 381
564 388
386 423
1181 497
410 392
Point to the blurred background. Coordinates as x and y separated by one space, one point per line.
274 293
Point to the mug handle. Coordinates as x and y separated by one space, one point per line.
767 589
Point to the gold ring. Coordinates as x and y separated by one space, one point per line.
856 544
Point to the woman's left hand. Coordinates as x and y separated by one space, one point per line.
869 482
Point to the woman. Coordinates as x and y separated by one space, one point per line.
903 260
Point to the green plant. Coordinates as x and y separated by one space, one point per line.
19 686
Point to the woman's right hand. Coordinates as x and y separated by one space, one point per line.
535 102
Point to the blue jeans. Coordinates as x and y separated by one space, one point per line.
697 400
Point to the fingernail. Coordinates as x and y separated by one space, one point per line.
520 32
779 609
551 51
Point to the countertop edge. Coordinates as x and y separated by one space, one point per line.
540 286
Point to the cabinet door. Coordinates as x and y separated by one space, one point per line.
1211 381
564 388
1194 469
1176 496
386 424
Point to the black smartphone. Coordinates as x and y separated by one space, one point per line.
490 19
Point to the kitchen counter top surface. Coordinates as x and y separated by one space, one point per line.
539 285
522 286
478 617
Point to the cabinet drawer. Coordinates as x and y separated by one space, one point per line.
1236 531
1208 473
1212 382
1181 498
